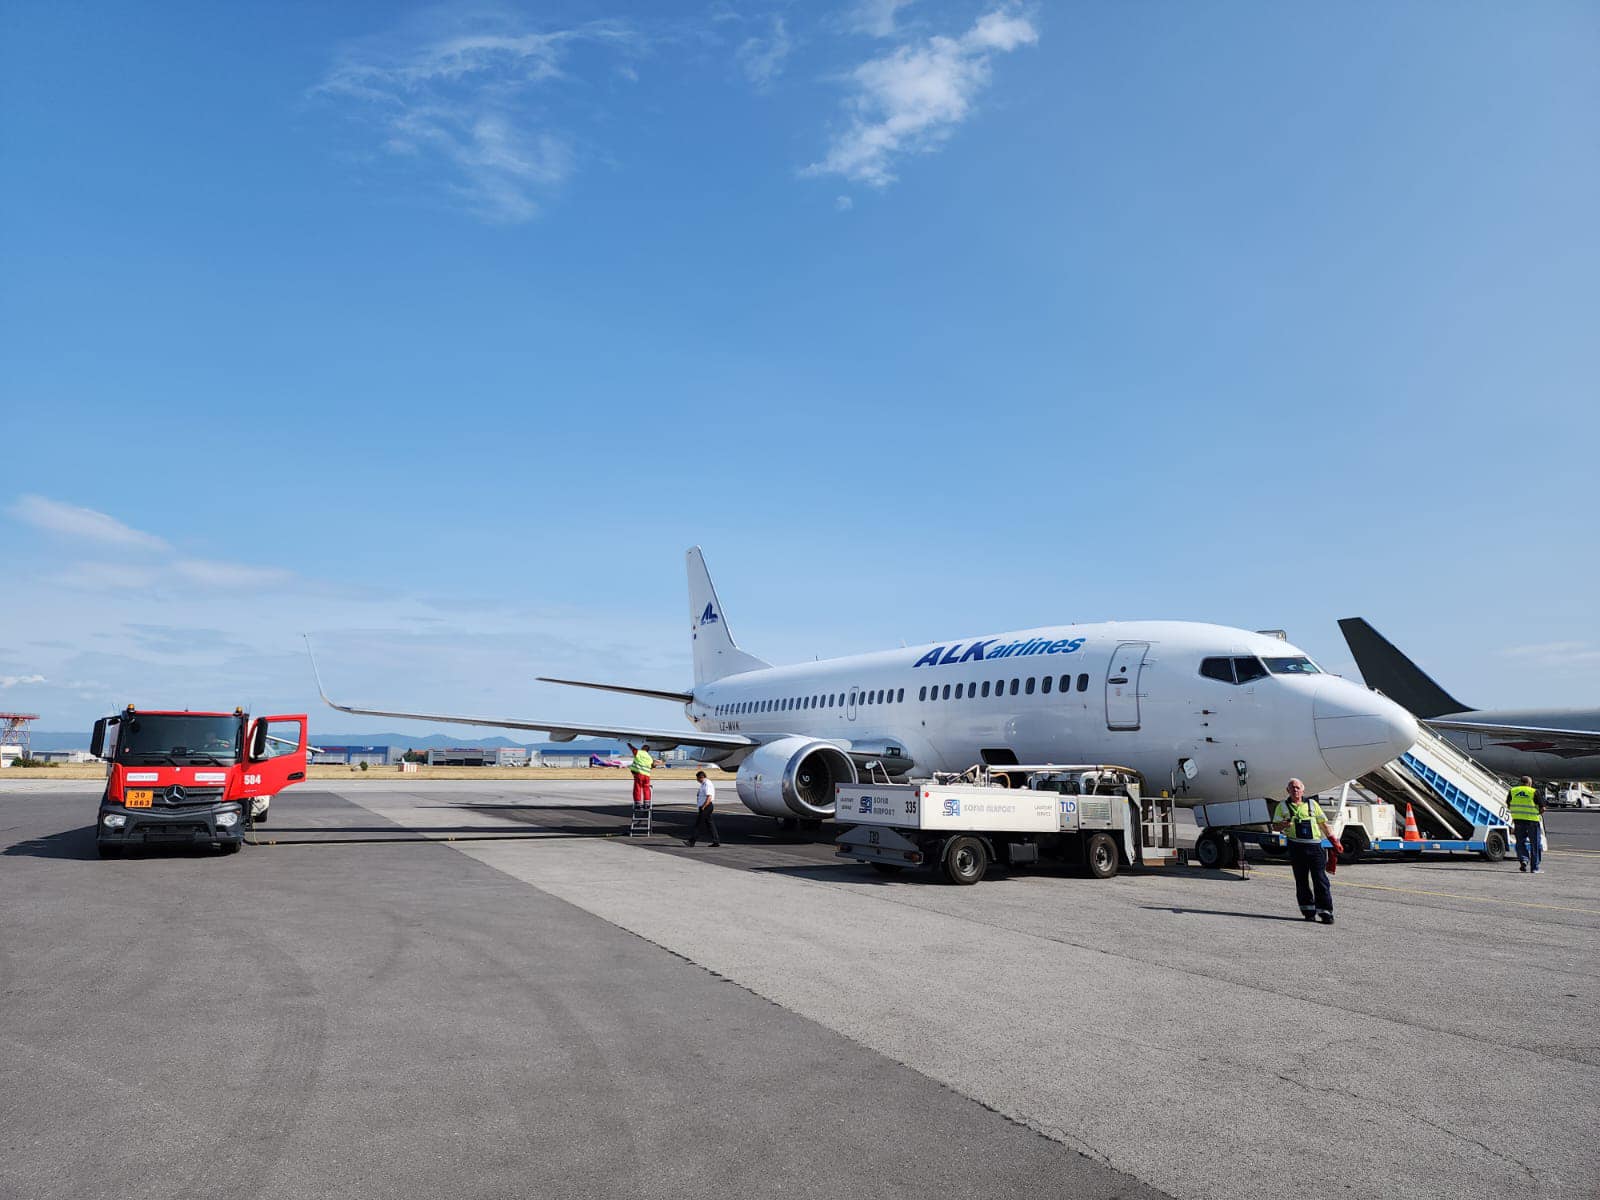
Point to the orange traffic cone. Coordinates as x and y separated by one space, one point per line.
1412 834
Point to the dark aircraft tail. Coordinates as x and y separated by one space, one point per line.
1395 675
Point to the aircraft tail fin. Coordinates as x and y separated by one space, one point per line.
716 654
1384 667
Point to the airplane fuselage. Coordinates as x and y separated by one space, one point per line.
1525 753
1180 702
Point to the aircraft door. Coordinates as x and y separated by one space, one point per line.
850 706
1122 685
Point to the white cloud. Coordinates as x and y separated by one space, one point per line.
911 99
762 58
230 575
71 521
843 204
461 92
875 17
1556 655
11 681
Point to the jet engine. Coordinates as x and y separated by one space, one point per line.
793 777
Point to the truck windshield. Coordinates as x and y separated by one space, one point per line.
178 739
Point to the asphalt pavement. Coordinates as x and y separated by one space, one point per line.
490 990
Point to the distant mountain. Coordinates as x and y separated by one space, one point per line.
45 739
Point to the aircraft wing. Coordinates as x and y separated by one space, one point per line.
1570 743
559 731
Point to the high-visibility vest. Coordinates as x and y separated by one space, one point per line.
1305 810
642 762
1524 803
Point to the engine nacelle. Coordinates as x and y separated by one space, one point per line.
793 777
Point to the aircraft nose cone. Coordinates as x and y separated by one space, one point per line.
1358 730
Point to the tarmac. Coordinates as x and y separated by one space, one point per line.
487 989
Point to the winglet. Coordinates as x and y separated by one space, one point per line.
317 675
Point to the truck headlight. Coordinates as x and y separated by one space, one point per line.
115 820
227 820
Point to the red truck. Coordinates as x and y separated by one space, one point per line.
177 778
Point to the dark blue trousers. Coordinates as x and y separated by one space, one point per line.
1530 849
1311 887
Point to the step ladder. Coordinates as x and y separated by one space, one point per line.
640 825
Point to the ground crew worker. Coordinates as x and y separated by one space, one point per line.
705 803
640 766
1526 807
1305 824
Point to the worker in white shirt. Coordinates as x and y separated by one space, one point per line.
705 803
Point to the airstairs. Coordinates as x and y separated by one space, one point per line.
1453 795
640 825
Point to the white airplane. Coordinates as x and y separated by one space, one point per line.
1205 711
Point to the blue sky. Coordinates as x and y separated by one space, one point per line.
441 333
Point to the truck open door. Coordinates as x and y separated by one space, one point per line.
275 754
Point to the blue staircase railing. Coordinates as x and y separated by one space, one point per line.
1440 784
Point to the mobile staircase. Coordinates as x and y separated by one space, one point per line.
1459 805
641 824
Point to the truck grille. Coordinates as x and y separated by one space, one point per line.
178 796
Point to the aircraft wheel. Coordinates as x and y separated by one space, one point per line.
965 860
1101 856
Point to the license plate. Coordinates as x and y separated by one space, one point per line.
140 799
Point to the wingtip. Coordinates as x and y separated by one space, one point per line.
315 673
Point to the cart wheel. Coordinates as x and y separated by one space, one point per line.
1494 846
887 868
965 860
1101 856
1208 849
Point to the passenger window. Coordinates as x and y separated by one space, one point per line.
1083 682
1066 683
922 692
1028 687
1220 669
947 691
1014 685
958 691
900 696
1045 683
985 692
1246 669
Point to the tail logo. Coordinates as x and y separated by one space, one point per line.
709 616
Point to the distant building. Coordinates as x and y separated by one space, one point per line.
63 756
376 756
479 756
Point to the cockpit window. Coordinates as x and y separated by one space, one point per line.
1220 669
1293 666
1246 669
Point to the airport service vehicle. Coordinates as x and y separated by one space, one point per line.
1179 702
1458 804
191 777
1543 743
1090 816
1574 797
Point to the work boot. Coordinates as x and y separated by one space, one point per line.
1522 866
1326 918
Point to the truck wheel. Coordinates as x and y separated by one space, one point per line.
1208 849
262 819
107 850
1355 845
228 847
1494 846
965 860
1101 856
887 868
